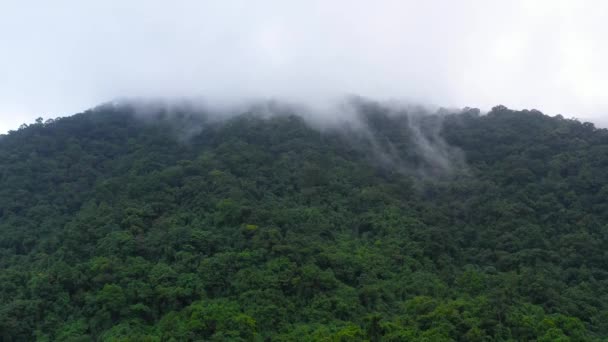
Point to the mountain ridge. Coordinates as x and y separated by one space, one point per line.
448 226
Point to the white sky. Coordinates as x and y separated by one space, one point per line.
60 57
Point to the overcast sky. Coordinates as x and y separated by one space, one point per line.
61 57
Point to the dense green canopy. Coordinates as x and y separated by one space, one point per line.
180 227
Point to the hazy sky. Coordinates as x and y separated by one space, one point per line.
60 57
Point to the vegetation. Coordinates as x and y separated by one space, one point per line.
443 227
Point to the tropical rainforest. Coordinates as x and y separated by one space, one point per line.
134 223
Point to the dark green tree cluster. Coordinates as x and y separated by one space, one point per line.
179 227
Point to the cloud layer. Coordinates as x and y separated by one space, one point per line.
65 56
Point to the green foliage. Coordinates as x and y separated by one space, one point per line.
435 228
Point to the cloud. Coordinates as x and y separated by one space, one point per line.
65 56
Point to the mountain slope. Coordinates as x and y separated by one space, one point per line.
180 226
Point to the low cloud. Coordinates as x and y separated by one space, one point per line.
66 56
396 136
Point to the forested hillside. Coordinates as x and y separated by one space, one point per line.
174 226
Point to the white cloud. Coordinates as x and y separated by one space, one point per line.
64 56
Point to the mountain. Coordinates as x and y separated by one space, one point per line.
174 224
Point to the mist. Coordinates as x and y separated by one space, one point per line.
63 57
395 137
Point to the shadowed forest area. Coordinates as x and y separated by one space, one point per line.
436 227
